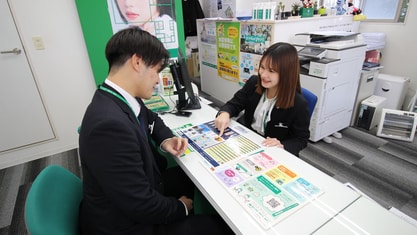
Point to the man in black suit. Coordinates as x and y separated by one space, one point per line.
124 177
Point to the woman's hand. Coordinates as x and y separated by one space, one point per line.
222 122
272 142
175 145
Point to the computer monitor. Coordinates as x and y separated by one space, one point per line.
182 82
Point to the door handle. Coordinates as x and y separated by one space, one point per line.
14 51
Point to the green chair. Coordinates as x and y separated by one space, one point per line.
52 204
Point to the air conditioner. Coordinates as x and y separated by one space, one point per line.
397 124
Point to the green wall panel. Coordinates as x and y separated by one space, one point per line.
97 30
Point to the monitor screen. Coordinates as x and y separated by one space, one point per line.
182 82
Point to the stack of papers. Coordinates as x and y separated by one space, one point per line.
156 103
374 41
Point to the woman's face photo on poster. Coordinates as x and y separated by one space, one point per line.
155 16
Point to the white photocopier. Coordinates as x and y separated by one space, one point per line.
331 64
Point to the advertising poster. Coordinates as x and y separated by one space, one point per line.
101 19
228 50
254 40
216 151
268 190
155 16
222 8
249 65
207 42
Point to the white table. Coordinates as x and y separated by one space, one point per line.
365 216
339 210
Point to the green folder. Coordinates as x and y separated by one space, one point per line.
156 103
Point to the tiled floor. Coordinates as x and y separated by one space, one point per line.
15 183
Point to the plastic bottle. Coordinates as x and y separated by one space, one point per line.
254 11
273 8
260 11
269 13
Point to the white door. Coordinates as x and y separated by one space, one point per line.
23 118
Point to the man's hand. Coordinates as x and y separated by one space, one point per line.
175 145
187 202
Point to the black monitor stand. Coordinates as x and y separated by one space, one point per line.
184 103
183 86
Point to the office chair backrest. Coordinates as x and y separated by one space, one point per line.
311 99
52 204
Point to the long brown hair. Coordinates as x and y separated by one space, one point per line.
283 58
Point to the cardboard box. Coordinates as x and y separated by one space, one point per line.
190 67
196 63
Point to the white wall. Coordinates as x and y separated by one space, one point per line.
62 70
399 54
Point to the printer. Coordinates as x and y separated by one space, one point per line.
329 39
318 49
330 67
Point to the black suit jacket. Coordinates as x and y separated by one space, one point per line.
290 126
121 172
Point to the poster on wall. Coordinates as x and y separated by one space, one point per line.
155 16
255 38
207 32
249 65
101 19
222 8
207 43
227 42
